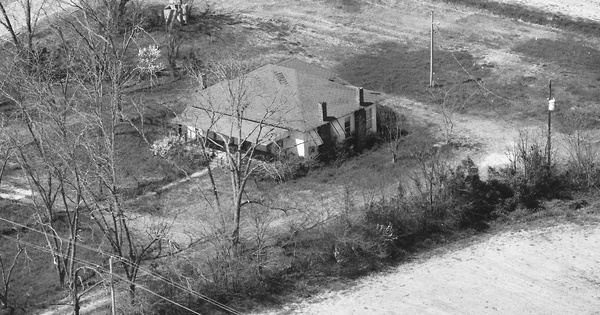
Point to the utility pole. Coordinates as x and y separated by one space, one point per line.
550 110
112 286
431 55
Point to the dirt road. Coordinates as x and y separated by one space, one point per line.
585 9
548 271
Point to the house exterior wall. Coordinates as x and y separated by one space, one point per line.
373 109
338 126
296 142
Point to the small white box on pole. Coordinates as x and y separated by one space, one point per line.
551 104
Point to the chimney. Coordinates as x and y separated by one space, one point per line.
323 109
360 97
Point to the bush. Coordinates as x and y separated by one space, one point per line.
582 169
286 168
475 201
187 157
399 220
359 247
149 17
529 175
359 240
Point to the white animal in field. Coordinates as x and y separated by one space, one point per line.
176 10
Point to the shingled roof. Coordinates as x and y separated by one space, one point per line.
312 69
285 96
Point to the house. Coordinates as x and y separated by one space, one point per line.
294 106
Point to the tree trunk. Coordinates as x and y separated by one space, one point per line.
75 299
61 273
131 292
9 28
235 235
4 298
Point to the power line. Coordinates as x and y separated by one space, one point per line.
149 272
482 87
96 266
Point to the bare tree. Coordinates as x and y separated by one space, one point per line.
7 267
391 129
22 14
70 152
174 40
6 148
579 141
102 51
226 110
50 155
449 107
429 180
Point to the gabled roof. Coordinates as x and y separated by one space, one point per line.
284 96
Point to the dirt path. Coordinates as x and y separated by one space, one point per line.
546 271
586 9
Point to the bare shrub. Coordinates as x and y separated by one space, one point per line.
391 129
581 166
528 172
285 168
429 180
473 201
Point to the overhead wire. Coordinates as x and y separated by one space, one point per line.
149 272
96 266
481 86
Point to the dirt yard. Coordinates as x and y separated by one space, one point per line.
585 9
552 270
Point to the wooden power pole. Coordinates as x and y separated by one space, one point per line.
431 55
550 110
112 286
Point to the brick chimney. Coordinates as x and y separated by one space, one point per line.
360 96
323 110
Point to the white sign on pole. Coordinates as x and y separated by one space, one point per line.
551 104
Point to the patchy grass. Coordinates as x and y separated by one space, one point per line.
460 81
567 53
576 81
398 69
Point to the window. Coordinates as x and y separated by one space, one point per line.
180 130
347 129
369 118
